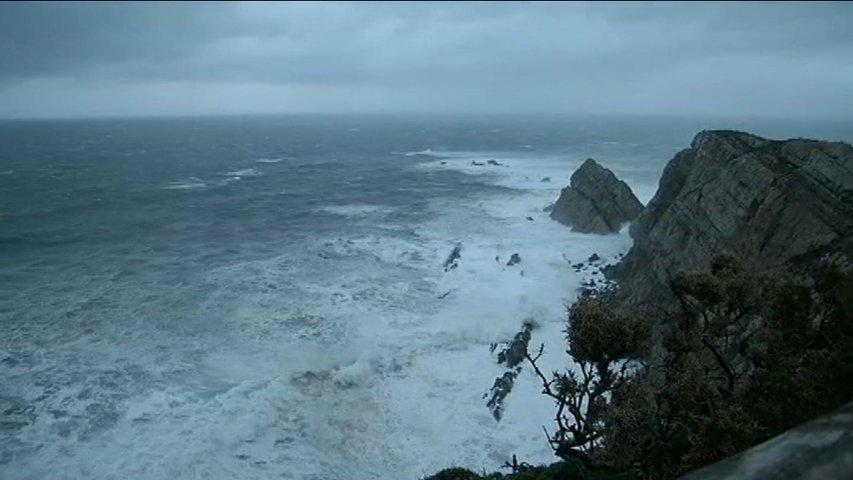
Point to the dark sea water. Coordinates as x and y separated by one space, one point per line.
257 297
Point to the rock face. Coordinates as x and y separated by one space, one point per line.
819 449
596 201
781 202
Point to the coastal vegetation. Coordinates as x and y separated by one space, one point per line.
743 355
729 322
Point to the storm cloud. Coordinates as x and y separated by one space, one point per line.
90 59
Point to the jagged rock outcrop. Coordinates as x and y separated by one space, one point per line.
511 355
452 260
780 202
596 201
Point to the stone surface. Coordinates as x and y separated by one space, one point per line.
780 202
817 450
596 201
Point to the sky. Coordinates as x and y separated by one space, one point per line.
127 59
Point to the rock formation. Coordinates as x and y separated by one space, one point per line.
596 201
452 260
819 449
512 355
514 259
780 202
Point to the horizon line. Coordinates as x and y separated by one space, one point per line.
414 113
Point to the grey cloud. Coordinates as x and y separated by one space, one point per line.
652 56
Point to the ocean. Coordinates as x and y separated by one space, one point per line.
264 297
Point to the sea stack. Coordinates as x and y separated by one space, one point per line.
596 201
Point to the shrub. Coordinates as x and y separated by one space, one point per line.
746 354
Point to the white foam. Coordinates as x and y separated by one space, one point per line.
427 151
357 210
190 184
269 160
438 398
246 172
341 361
430 413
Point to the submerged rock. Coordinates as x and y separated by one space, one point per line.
453 259
15 413
514 259
778 202
499 391
516 350
494 162
596 201
593 258
512 355
546 179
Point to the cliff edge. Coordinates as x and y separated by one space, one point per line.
780 202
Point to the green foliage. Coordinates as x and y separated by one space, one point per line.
746 354
456 474
605 345
598 334
567 470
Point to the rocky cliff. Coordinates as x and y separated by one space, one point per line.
732 192
596 201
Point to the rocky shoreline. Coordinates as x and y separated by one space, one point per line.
782 203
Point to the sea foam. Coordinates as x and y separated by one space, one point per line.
351 356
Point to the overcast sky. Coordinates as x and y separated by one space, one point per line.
101 59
